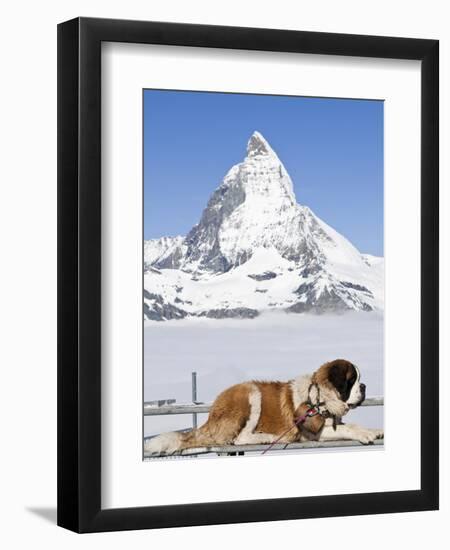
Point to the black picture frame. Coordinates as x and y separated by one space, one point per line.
79 274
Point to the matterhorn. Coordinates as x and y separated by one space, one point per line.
255 249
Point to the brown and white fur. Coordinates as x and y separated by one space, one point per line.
260 412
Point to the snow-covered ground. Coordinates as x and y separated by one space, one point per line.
273 346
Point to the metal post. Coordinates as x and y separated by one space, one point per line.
194 398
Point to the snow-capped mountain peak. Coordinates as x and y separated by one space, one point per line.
257 145
253 213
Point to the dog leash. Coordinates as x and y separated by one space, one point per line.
312 411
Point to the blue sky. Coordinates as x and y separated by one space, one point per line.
332 149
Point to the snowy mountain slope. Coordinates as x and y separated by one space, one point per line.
156 250
254 249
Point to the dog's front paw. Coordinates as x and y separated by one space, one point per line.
363 435
366 436
379 434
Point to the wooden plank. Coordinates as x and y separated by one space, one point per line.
226 449
191 408
176 408
160 402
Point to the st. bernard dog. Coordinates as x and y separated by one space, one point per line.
258 412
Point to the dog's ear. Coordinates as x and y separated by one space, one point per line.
338 375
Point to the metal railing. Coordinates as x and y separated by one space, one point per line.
197 408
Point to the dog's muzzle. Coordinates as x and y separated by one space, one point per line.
362 389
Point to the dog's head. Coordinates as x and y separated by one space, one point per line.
340 387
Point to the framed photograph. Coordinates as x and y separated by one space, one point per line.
247 276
